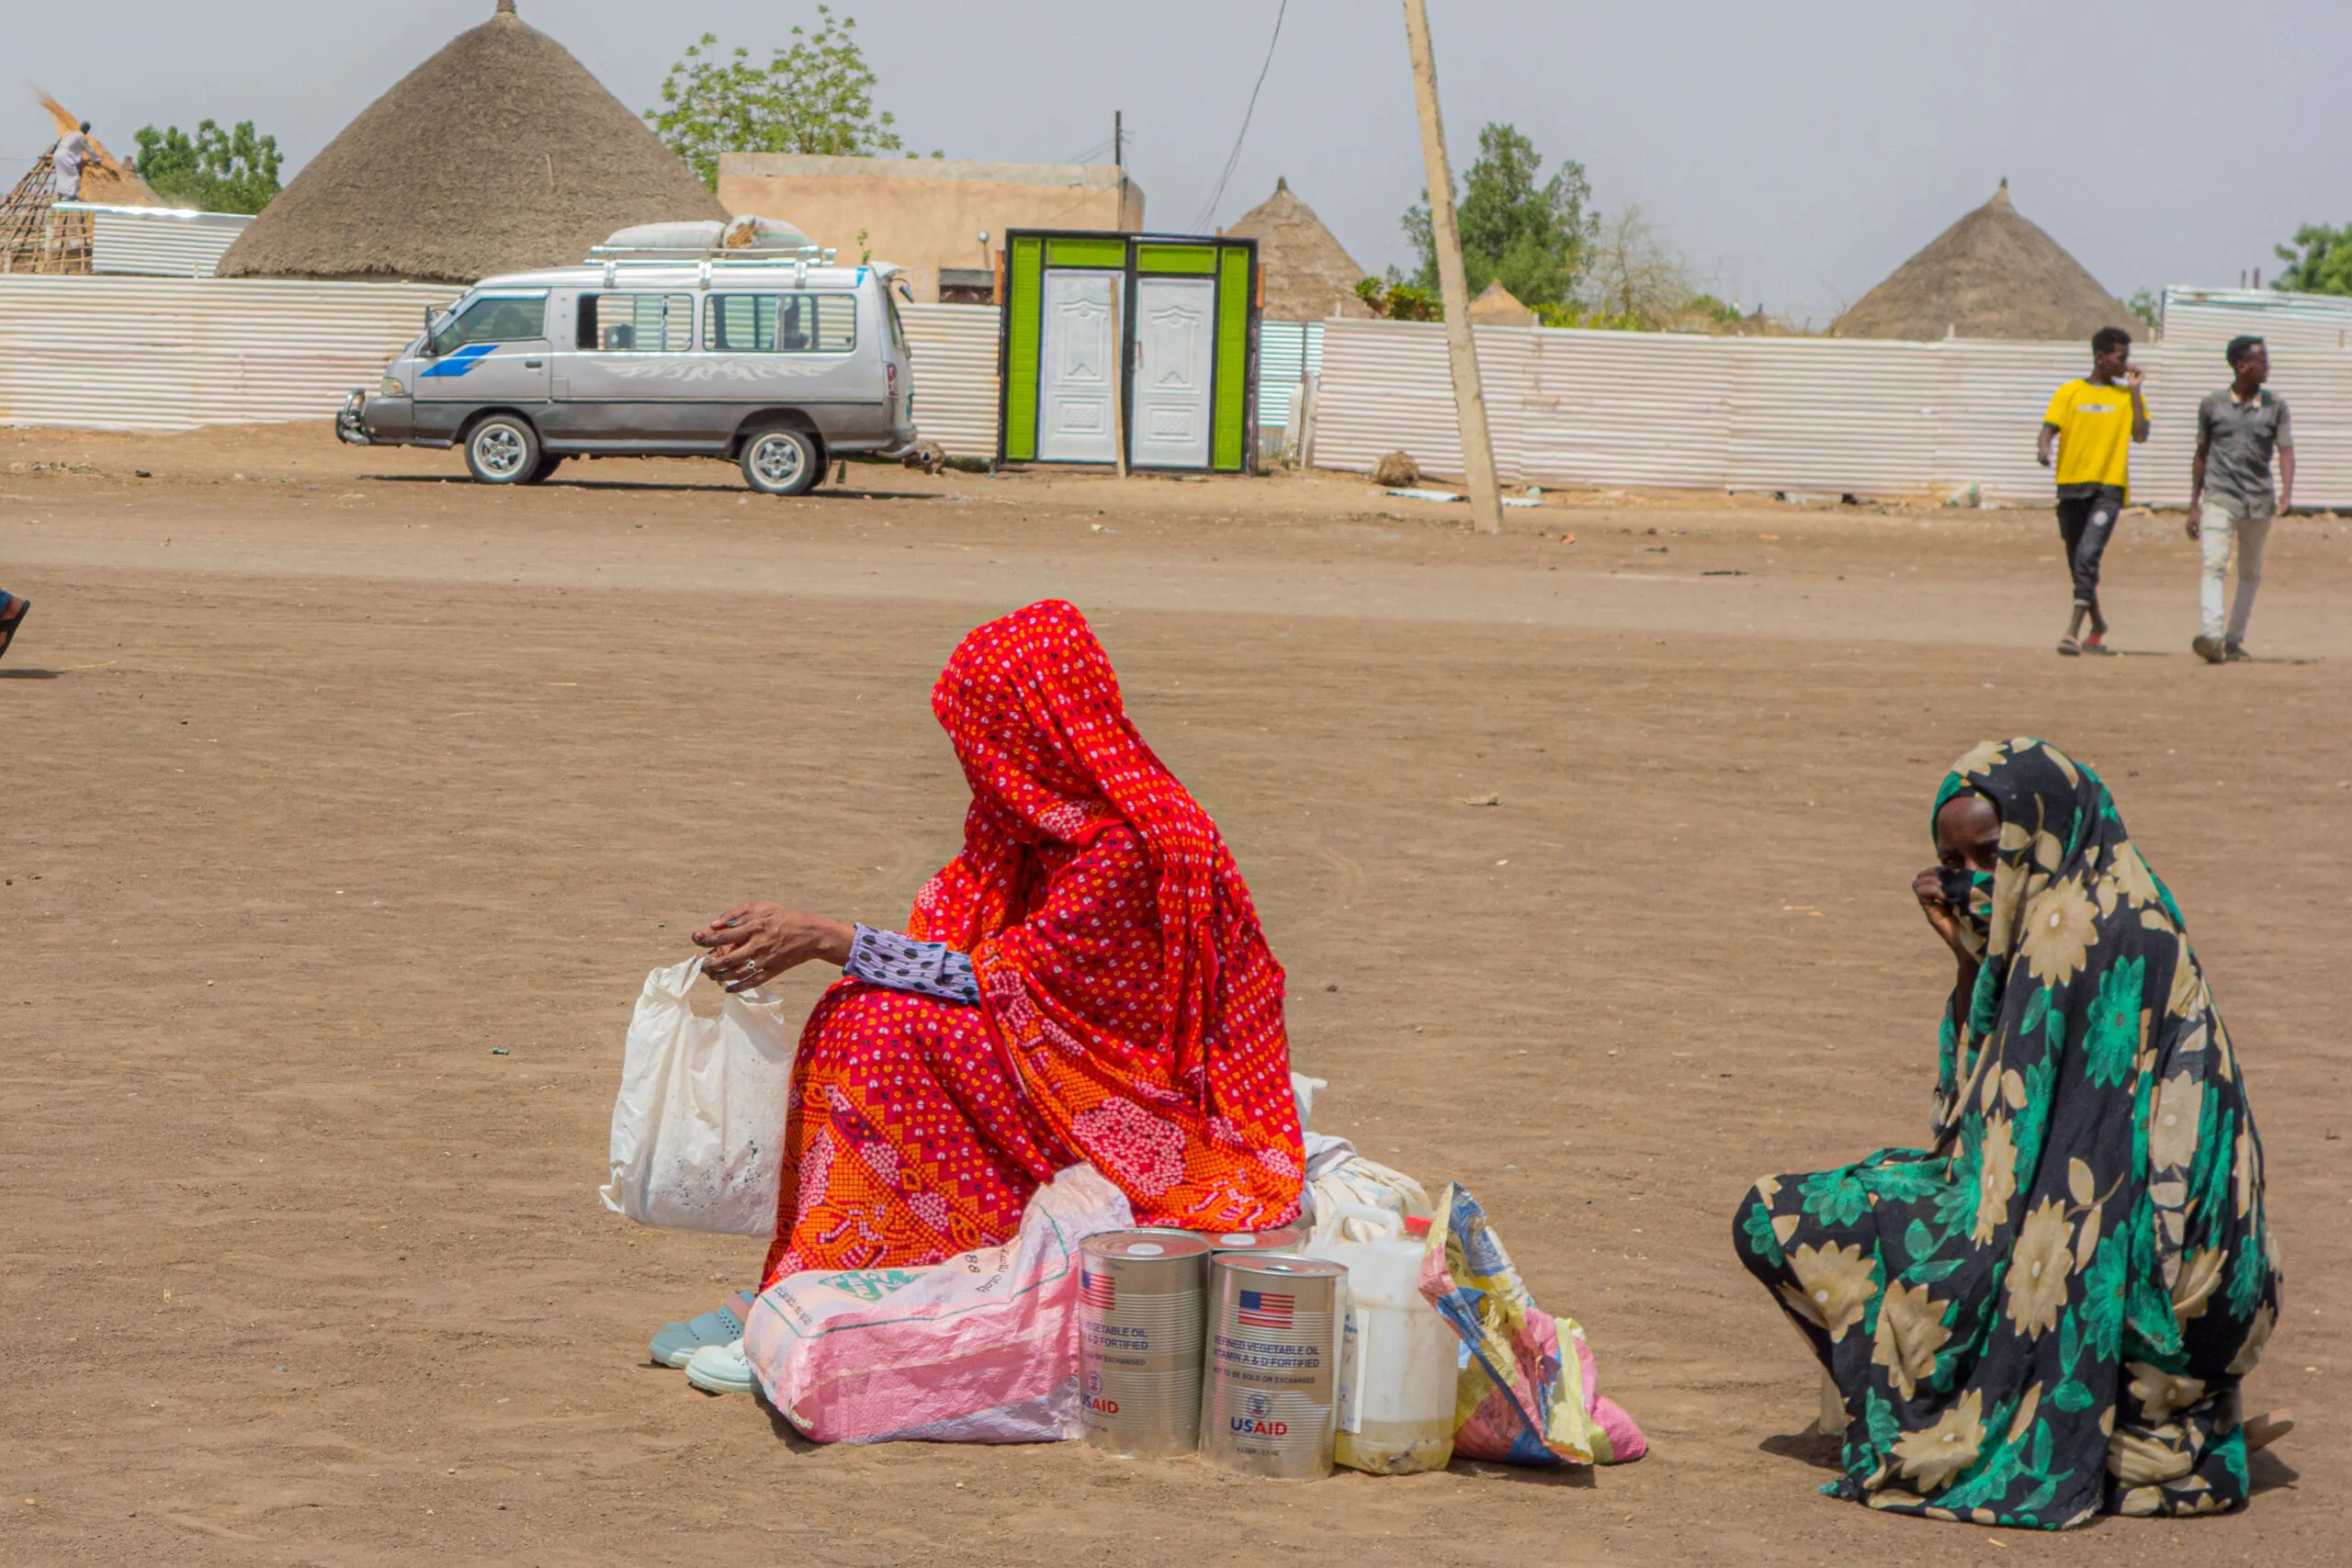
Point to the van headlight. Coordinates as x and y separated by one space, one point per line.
390 386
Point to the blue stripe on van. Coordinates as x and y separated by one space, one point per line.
460 362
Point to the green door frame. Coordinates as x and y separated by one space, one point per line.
1233 364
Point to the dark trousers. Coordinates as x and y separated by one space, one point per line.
2086 524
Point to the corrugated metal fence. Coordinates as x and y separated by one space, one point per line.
954 352
157 241
174 353
1812 414
1287 353
1834 415
2209 318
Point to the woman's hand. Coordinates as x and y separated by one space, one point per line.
753 943
1929 888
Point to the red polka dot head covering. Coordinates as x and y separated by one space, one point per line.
1033 709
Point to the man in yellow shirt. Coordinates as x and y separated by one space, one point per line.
2092 425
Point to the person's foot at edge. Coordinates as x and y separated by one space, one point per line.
2207 649
12 614
2235 653
2095 643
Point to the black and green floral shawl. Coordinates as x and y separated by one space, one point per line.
2046 1313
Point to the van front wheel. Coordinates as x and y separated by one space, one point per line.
780 462
502 450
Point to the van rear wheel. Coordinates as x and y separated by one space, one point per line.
504 450
780 462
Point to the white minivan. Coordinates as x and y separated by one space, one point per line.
672 340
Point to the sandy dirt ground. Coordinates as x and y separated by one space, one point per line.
328 777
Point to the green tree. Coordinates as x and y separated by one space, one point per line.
1537 238
814 95
215 170
2319 263
2150 308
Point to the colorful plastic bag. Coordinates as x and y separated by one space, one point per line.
1519 1400
981 1348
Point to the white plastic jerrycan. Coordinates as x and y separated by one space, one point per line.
1398 1357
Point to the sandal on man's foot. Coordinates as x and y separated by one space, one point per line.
677 1342
2069 647
2235 653
12 615
721 1368
2207 649
2261 1431
2096 645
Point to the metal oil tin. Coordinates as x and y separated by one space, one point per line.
1282 1241
1273 1351
1139 1318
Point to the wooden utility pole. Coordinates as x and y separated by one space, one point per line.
1452 287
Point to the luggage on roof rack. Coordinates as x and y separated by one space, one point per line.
747 238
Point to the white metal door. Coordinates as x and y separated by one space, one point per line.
1173 316
1081 374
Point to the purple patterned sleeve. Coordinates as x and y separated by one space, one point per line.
899 962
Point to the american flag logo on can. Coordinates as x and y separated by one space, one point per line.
1265 1309
1098 1290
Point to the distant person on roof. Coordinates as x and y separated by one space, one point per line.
2239 430
2087 425
72 155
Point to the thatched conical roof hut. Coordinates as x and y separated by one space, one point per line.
1993 274
1309 274
498 154
1499 307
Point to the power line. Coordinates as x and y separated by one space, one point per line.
1232 162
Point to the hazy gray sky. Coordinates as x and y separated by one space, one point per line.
1796 153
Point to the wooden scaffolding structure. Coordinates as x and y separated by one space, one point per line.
35 236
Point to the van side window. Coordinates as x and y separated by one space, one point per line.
741 324
635 324
781 323
494 320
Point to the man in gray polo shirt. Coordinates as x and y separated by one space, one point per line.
2230 497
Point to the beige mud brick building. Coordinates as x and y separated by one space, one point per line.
940 219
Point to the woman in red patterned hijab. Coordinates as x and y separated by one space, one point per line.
1086 981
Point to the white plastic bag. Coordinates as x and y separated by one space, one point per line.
699 1129
1337 1175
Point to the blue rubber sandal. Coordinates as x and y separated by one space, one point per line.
677 1342
722 1369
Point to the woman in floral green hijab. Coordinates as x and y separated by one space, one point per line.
2044 1314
